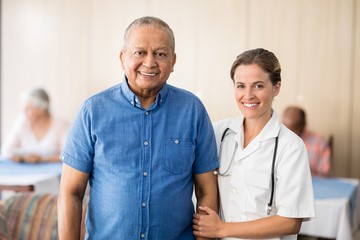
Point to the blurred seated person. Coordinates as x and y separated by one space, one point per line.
318 148
36 136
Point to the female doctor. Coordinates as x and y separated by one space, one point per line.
264 177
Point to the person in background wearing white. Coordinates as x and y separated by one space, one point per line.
36 136
254 203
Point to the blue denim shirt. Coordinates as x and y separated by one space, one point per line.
141 162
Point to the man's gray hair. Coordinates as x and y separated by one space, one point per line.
150 21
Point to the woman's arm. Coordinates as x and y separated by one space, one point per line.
212 226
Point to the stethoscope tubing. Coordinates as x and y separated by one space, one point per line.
226 172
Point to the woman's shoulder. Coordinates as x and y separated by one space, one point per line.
233 123
290 138
225 123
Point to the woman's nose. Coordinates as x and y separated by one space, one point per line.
248 93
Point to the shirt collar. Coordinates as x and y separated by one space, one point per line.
272 127
133 99
270 130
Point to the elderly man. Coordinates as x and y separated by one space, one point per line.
141 145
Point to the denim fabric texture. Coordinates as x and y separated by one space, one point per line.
141 162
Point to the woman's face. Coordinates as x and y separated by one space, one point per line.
33 113
254 91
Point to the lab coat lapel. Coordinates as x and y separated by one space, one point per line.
253 146
270 130
237 126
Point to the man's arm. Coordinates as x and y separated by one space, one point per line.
206 192
72 189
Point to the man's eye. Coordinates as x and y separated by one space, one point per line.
139 53
240 86
160 54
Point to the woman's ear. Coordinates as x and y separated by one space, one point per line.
276 88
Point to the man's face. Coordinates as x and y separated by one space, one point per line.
291 120
148 59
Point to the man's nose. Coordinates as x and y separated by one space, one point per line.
149 61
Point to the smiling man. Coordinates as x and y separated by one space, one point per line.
142 145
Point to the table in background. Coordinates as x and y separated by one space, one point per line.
337 206
39 177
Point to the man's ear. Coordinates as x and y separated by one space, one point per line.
122 59
173 62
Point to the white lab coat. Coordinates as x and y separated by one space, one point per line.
245 194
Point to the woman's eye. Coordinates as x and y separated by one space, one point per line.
259 86
240 86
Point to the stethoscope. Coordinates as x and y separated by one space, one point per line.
228 169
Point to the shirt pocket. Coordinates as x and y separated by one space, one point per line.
179 155
258 184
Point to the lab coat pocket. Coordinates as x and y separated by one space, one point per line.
258 183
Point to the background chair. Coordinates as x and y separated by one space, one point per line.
30 216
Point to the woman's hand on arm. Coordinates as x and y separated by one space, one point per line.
208 224
72 188
212 226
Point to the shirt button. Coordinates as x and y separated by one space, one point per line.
177 141
143 205
142 235
234 191
146 113
145 174
146 143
